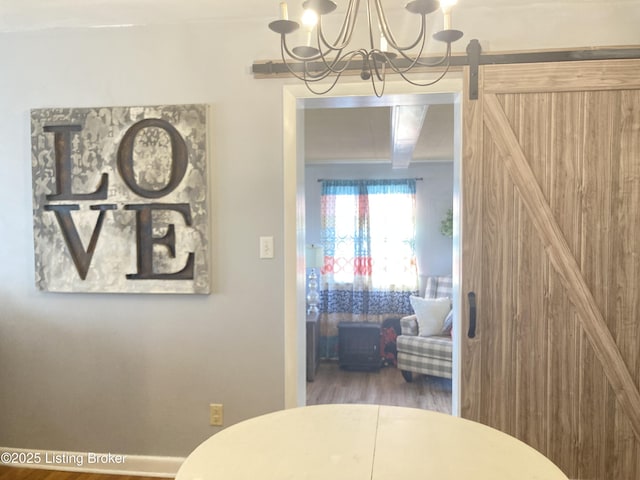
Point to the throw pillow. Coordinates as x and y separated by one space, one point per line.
430 313
448 323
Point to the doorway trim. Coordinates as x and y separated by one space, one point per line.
295 99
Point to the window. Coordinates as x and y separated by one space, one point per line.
369 231
368 235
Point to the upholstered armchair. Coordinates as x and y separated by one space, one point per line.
425 344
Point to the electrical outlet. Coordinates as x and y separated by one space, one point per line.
215 414
266 247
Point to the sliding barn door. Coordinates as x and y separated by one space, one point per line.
551 250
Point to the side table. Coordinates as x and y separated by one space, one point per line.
313 345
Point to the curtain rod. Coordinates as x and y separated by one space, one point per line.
417 179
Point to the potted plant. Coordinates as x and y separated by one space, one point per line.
446 226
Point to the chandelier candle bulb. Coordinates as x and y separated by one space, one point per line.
447 20
309 20
446 6
383 43
284 11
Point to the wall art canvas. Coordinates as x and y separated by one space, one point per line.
120 199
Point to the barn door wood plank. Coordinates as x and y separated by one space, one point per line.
572 77
563 261
471 212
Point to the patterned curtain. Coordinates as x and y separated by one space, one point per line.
369 273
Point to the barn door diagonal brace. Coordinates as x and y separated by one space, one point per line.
473 51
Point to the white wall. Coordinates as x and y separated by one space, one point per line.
135 374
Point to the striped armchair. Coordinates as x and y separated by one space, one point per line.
427 355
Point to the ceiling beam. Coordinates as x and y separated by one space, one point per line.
406 125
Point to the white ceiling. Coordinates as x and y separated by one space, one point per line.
18 15
346 135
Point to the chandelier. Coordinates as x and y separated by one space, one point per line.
322 58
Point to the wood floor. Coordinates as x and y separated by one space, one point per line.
11 473
384 387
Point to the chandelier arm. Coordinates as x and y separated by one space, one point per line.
318 92
386 30
304 76
380 73
346 58
375 88
323 55
401 71
346 31
329 69
445 58
309 76
284 48
317 57
294 73
433 82
349 24
416 61
371 45
371 58
330 65
301 77
320 56
440 62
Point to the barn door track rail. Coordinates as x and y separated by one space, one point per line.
473 59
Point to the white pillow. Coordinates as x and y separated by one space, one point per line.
447 326
430 313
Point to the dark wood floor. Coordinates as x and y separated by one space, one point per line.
384 387
12 473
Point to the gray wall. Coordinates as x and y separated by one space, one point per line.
135 374
434 196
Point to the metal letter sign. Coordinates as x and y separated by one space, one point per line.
120 199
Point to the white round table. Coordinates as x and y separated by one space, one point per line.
364 442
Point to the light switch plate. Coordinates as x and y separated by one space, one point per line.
266 247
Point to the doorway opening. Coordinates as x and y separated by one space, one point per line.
301 181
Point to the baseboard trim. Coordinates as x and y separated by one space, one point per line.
89 462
